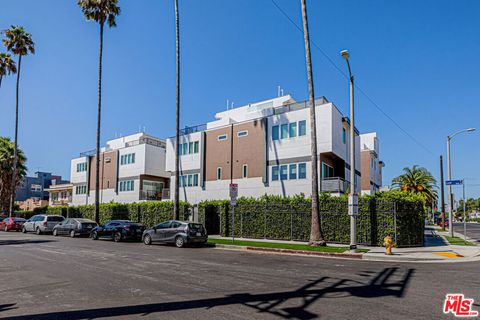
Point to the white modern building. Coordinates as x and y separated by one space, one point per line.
132 169
264 147
371 164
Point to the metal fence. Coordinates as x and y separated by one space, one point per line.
281 221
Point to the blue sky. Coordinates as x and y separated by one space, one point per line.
416 59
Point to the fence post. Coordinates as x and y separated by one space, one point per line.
395 220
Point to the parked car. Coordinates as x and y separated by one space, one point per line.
446 223
177 232
8 224
119 230
41 223
74 227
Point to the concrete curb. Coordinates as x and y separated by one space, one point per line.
356 256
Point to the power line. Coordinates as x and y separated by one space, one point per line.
356 86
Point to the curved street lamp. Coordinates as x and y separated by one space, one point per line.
450 206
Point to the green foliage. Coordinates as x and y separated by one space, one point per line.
418 180
289 218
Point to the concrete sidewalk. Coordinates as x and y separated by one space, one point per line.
436 249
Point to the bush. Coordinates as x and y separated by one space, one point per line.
289 218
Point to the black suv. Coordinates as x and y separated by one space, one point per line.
119 230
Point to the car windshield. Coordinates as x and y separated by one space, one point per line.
195 226
19 220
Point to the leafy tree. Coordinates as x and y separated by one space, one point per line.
7 66
417 180
100 11
20 43
6 168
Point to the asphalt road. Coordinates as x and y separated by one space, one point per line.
43 277
473 230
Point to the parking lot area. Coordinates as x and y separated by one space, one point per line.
46 277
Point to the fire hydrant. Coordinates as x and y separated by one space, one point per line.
388 243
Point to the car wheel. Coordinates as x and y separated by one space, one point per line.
24 230
147 240
72 233
38 231
117 237
55 232
179 241
94 235
6 229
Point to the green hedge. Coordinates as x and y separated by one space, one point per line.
289 218
147 213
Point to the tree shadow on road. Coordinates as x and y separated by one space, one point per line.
8 306
390 282
23 241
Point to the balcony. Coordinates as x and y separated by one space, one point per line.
334 185
61 202
150 195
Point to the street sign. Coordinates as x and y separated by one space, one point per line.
352 204
233 194
454 182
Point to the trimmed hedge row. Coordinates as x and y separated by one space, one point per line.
396 213
147 213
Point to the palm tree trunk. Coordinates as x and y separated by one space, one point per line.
14 173
176 204
316 234
99 115
1 77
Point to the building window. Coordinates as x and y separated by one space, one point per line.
293 171
245 171
127 185
36 187
344 136
275 133
180 147
195 180
275 173
222 137
302 171
293 130
127 158
189 180
195 147
327 171
283 172
243 133
185 148
302 128
81 167
81 189
219 173
284 131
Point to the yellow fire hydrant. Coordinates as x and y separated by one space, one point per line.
388 243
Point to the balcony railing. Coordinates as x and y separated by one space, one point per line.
149 141
150 195
61 202
334 185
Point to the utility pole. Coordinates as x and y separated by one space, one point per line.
442 191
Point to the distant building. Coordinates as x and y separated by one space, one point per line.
371 164
35 187
60 194
132 169
31 203
264 147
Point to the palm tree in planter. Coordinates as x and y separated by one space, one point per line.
7 150
316 234
418 180
20 43
7 66
100 11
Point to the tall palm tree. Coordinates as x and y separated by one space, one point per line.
20 43
100 11
176 201
418 180
7 149
316 234
7 66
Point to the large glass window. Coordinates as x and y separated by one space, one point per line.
293 171
284 131
127 158
302 128
195 147
127 185
152 186
293 129
190 148
190 180
185 148
275 173
81 189
283 172
327 171
302 171
275 133
195 180
81 167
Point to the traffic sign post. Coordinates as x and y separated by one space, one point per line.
352 204
458 183
233 203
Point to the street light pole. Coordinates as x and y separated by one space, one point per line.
353 203
450 198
